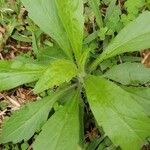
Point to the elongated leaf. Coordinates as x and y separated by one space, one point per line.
110 10
134 37
49 54
95 7
142 96
129 74
27 120
15 73
71 15
44 14
122 118
62 131
112 19
58 72
91 37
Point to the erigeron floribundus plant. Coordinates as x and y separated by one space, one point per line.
122 112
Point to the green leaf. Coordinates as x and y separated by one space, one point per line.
102 33
15 73
24 123
122 118
133 6
134 37
71 15
129 74
112 19
106 2
91 37
44 14
95 7
142 96
63 130
58 72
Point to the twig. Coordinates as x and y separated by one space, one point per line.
1 57
13 101
3 112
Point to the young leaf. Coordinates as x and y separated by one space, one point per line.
63 130
112 19
122 118
23 123
129 74
71 15
44 14
133 7
50 54
58 72
95 7
15 73
134 37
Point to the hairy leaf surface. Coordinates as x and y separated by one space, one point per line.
15 73
112 19
129 74
71 15
49 54
28 119
44 14
58 72
122 118
62 131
